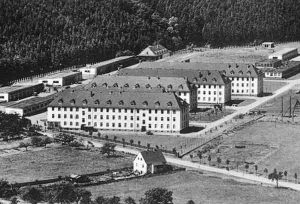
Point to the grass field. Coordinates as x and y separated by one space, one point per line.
199 188
54 162
262 138
271 86
209 116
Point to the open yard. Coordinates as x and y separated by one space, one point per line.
60 161
267 144
271 86
209 115
200 188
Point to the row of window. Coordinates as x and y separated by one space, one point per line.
242 91
210 86
242 85
113 110
209 99
241 78
210 92
122 125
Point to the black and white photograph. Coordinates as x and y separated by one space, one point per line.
149 101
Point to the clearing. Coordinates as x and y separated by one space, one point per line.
200 188
60 161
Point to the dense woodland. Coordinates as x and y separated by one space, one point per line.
38 36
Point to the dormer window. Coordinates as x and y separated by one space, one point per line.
169 86
60 101
214 80
94 85
97 102
180 87
195 79
115 85
240 72
126 85
132 103
84 102
137 86
249 72
108 102
104 84
169 104
157 104
72 101
159 86
204 79
232 72
121 103
145 103
148 86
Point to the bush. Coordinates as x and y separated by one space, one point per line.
37 141
149 133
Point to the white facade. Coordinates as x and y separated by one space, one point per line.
246 86
271 74
119 119
213 94
88 72
149 162
139 165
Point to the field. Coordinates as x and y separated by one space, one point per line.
268 144
236 54
54 162
209 115
200 188
271 86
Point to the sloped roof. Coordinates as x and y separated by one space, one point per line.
230 70
153 157
107 62
283 51
157 49
143 82
118 99
202 77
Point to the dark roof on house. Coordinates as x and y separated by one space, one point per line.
11 89
118 99
141 82
202 77
158 49
230 70
107 62
268 61
286 66
152 157
28 102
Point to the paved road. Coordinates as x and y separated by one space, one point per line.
244 109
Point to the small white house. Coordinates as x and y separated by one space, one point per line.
149 162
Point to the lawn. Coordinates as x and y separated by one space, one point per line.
59 161
271 145
274 106
209 115
271 86
200 188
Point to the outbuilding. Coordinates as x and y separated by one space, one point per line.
149 162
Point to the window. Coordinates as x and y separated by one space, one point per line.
53 116
137 118
95 116
71 116
65 123
144 114
155 118
119 117
89 109
113 110
77 123
83 112
168 119
52 107
113 117
107 117
65 115
161 126
162 111
83 120
95 124
58 115
77 116
125 117
149 118
168 126
71 123
174 119
101 117
162 118
113 124
174 111
107 124
149 125
119 125
89 117
131 117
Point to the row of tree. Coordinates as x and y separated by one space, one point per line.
44 35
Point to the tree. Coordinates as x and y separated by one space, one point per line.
266 171
219 161
129 200
296 177
131 142
6 189
65 139
37 141
157 196
24 145
190 202
246 167
14 200
32 194
285 174
108 148
62 193
275 176
199 154
256 168
209 159
84 196
227 162
47 140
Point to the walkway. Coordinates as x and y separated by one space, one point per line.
232 173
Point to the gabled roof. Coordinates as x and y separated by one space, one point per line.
238 70
201 77
141 82
153 157
283 51
156 49
118 99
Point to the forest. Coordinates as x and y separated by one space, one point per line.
39 36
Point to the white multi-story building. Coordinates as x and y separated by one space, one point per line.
126 111
62 78
180 86
246 79
213 88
